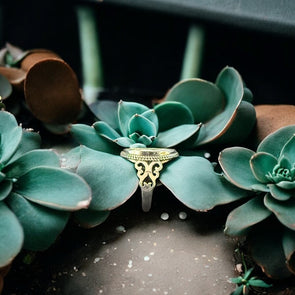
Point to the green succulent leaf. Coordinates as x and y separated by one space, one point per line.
31 160
112 179
288 150
230 83
248 273
106 110
274 143
287 185
280 194
5 189
235 163
288 242
11 135
14 54
126 111
11 235
72 159
238 291
176 135
267 251
241 219
237 280
152 116
284 211
248 95
261 165
203 98
54 188
88 136
201 183
88 218
41 225
258 283
2 176
125 142
105 130
285 162
5 87
29 141
142 125
172 114
240 128
143 139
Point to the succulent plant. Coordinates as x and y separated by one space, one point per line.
268 218
113 179
36 195
224 109
245 282
131 124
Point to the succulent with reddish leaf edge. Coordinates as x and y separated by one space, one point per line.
268 218
113 179
36 195
223 108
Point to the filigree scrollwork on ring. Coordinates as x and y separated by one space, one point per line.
148 162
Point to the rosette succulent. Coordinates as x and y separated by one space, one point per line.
223 108
268 218
113 179
36 195
131 124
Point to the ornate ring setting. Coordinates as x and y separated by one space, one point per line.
148 162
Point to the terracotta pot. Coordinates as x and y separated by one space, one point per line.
50 86
15 76
272 117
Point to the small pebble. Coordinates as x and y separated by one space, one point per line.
146 258
120 229
182 215
207 155
130 263
239 268
164 216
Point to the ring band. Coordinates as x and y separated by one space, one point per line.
148 162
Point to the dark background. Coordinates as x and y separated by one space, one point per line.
142 50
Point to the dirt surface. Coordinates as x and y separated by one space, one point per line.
137 253
134 253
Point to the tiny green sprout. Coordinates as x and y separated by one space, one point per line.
246 281
29 258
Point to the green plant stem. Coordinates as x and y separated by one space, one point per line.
241 254
92 70
192 59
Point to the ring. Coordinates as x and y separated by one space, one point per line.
148 162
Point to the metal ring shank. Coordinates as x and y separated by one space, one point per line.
148 163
